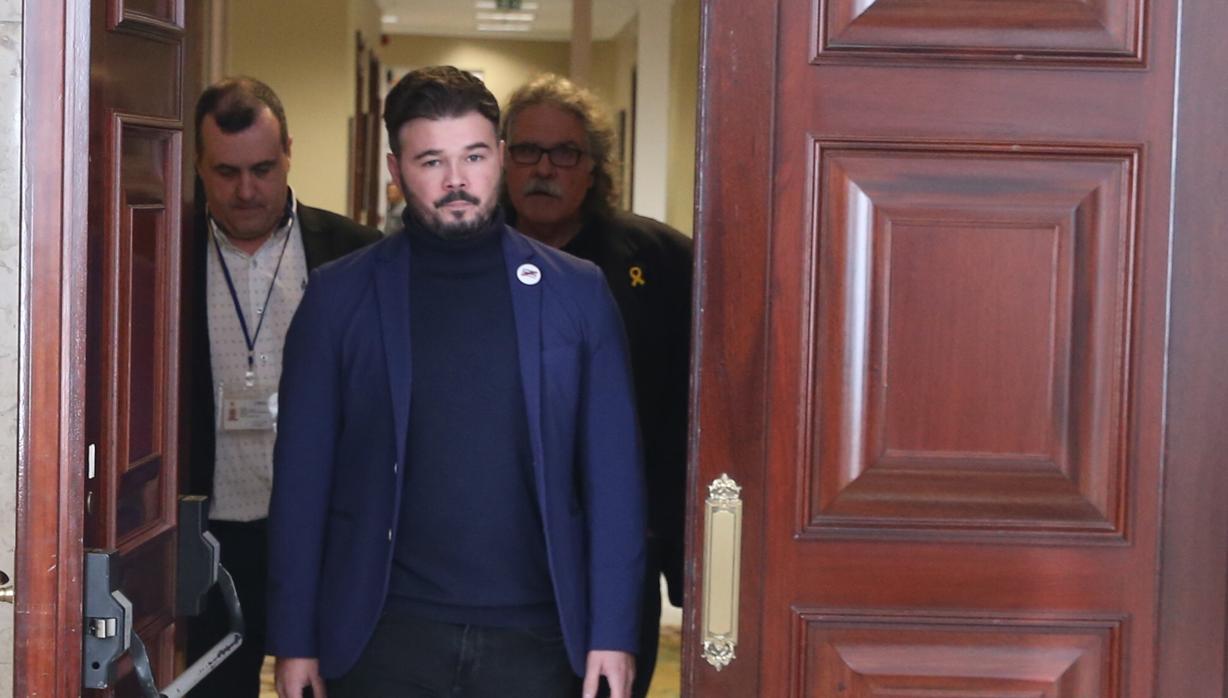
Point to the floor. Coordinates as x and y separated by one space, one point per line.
666 682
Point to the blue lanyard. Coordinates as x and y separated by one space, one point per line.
248 338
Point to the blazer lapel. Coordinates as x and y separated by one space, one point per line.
392 290
527 310
315 242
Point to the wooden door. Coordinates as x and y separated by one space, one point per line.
109 90
949 332
139 103
366 163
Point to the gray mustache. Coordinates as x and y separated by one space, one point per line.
543 186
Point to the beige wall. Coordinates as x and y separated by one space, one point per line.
365 20
505 63
684 97
613 63
10 260
307 57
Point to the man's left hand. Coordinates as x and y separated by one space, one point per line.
618 668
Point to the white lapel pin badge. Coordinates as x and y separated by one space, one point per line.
529 274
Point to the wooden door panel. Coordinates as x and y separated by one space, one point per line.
133 376
139 501
913 577
958 264
134 369
156 13
968 346
146 583
136 66
136 241
869 655
1051 31
145 389
106 87
934 352
135 63
149 181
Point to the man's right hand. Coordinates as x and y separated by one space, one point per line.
296 673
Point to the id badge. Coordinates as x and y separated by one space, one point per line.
249 409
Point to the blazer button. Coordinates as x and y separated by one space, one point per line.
394 468
390 535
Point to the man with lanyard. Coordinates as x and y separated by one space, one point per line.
252 259
560 189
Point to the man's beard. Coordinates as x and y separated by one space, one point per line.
429 218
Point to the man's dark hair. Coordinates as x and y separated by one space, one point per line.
556 91
437 92
235 104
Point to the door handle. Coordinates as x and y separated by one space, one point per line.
109 632
722 571
109 617
199 568
202 667
7 593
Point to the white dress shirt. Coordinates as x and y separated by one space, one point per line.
243 468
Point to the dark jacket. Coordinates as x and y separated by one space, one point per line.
339 462
648 266
326 236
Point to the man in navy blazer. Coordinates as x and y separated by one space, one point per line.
458 503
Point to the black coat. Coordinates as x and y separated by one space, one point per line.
648 266
326 236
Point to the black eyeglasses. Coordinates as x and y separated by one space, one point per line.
563 155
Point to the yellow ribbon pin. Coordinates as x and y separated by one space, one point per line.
637 276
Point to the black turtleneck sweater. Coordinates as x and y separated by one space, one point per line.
470 546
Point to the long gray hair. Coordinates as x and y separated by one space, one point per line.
559 92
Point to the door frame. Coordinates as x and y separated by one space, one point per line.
50 467
736 146
51 415
1192 649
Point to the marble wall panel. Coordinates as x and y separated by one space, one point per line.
10 200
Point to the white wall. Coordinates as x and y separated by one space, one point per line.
10 220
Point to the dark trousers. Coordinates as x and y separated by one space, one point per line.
409 657
244 555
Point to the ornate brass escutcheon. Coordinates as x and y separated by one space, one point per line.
722 571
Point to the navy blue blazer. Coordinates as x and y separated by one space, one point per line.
344 412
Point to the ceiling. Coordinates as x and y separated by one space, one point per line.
552 19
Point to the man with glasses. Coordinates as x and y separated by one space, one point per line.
560 188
